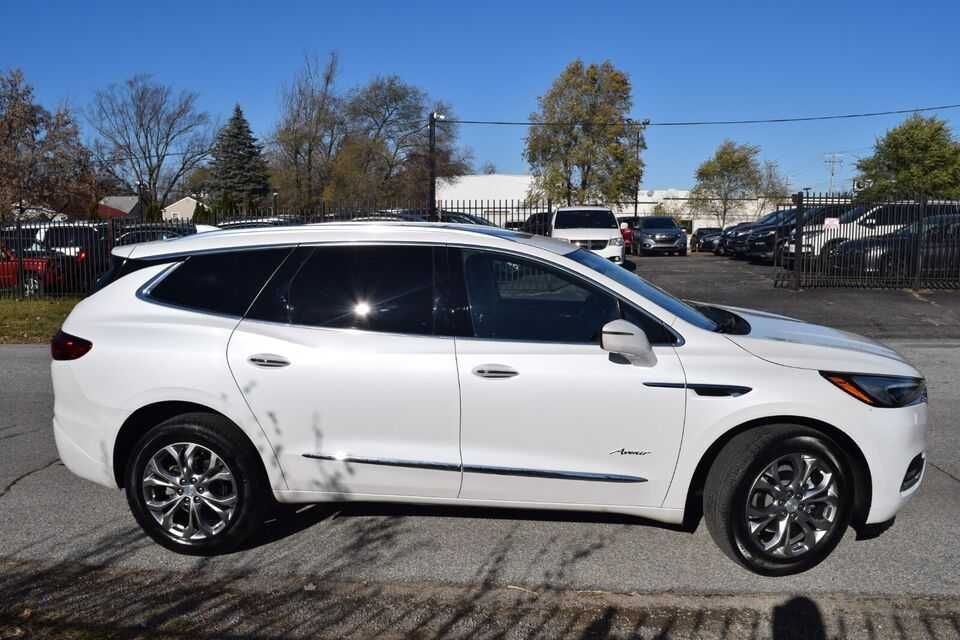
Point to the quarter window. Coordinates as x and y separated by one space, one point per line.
376 288
224 283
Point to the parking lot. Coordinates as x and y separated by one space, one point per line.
73 559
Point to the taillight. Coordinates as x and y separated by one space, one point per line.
67 347
81 256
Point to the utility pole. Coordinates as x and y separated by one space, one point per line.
434 116
638 131
833 160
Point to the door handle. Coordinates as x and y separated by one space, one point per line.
268 361
494 371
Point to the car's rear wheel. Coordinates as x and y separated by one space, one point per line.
32 285
196 485
778 501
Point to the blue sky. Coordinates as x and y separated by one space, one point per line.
490 60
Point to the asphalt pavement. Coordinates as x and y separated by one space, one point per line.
73 562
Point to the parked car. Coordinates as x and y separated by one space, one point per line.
214 375
627 232
538 223
709 242
858 222
42 272
725 243
738 245
593 228
930 247
660 234
147 235
460 217
766 242
83 245
696 238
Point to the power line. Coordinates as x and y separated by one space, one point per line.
697 123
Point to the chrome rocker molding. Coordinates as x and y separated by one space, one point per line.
476 468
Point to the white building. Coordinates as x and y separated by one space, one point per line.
182 209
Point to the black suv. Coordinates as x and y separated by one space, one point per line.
697 238
659 234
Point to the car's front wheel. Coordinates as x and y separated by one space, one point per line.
778 501
196 485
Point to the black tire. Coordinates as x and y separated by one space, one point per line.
32 285
683 253
254 499
728 489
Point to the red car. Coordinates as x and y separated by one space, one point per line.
40 272
627 232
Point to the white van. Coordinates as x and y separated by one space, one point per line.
592 228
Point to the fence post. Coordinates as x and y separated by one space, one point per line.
19 247
918 244
798 242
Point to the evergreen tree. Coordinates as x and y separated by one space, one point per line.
238 171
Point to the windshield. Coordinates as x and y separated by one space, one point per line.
649 291
770 218
585 219
658 223
852 215
927 225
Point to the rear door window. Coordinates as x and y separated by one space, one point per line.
223 283
388 288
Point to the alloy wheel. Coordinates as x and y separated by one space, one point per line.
190 491
792 505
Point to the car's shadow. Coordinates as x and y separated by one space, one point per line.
292 519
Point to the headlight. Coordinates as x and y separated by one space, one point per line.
880 391
616 242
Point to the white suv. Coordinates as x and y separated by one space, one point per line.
853 222
593 228
215 375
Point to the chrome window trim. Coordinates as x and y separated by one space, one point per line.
143 291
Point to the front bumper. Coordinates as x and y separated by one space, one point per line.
896 438
612 253
652 245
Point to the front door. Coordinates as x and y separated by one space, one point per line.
339 360
547 415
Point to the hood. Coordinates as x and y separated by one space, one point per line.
794 343
586 234
784 228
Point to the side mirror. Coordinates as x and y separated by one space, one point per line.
628 265
628 340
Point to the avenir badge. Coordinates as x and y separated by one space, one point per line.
629 452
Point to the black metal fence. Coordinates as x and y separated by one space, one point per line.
837 241
52 258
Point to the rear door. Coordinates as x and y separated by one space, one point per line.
548 416
340 361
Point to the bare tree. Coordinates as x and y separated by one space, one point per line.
149 134
42 161
310 132
773 190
